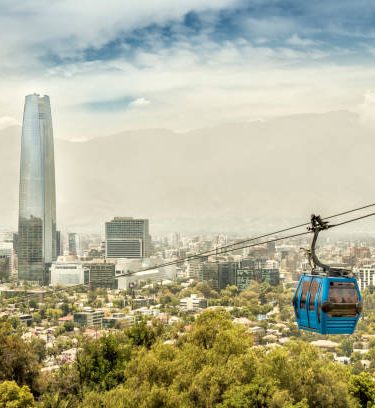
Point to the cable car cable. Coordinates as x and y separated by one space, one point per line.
215 250
347 212
352 220
227 248
222 252
278 232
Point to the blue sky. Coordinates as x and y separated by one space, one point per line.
184 64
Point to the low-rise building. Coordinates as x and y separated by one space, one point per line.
152 275
67 273
102 274
193 303
116 320
89 318
7 260
365 275
326 345
26 319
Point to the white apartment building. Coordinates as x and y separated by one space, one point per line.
193 303
68 273
153 275
365 275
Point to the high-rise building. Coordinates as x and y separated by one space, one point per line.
37 196
195 268
74 244
127 237
257 269
227 274
210 274
101 274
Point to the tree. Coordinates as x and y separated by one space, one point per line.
325 385
205 289
33 303
37 318
66 308
69 326
101 363
258 393
58 386
141 335
209 324
347 346
56 400
53 313
362 387
197 371
39 348
230 291
18 359
13 396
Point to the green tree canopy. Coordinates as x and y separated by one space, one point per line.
13 396
18 359
101 362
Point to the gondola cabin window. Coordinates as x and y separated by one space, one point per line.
340 294
313 291
305 289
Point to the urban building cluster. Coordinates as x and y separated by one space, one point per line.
41 254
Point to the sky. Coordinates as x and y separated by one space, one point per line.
116 65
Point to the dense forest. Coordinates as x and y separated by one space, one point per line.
209 363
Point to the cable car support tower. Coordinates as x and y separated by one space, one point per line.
317 267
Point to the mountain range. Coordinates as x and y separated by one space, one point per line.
220 179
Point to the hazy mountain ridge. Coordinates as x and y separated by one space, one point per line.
279 168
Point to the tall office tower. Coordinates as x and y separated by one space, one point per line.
74 244
127 237
37 196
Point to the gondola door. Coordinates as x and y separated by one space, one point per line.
303 305
312 303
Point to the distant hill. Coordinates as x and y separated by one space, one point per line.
278 169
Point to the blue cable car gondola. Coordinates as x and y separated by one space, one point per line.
328 300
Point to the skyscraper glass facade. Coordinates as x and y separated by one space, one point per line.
74 244
37 196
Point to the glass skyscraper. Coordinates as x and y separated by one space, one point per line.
37 196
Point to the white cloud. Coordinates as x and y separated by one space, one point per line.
140 102
189 90
190 84
68 26
295 39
